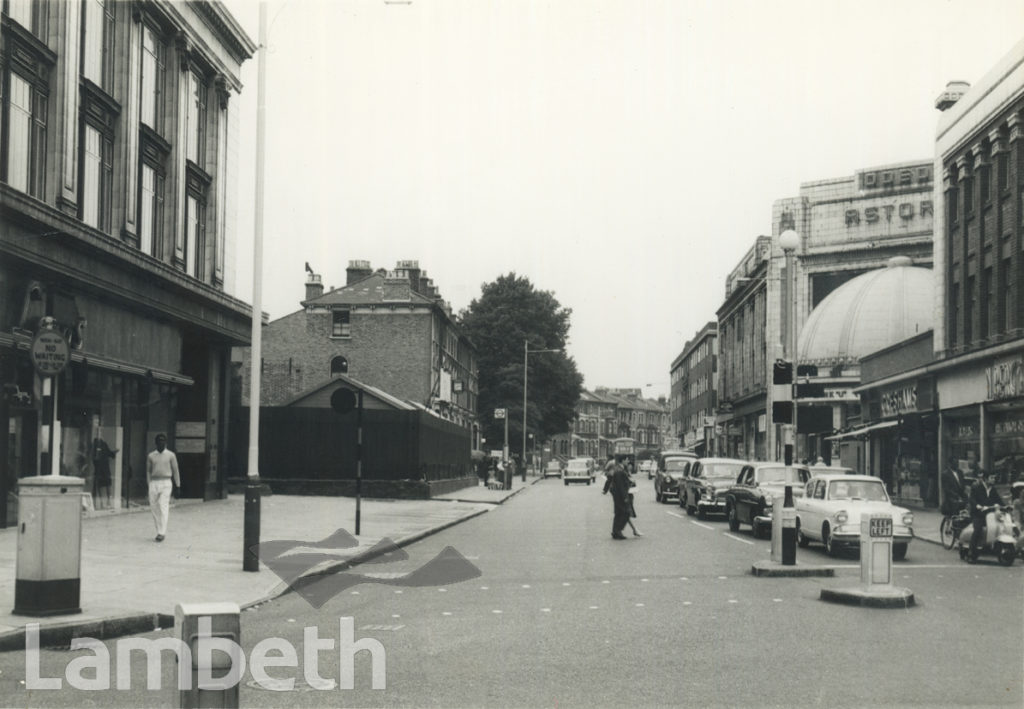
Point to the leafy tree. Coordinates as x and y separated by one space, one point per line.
509 312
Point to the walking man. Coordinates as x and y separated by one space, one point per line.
618 483
162 476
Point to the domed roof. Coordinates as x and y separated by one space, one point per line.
868 313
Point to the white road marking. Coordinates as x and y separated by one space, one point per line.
355 593
526 585
398 591
484 588
683 578
593 608
723 578
776 600
442 590
291 620
394 615
606 581
739 539
566 583
687 603
639 605
644 580
705 526
675 514
733 600
445 612
495 611
545 610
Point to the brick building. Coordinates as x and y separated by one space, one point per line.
388 329
694 399
605 414
118 151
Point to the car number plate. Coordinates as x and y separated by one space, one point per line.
881 527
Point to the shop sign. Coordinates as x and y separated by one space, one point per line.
50 353
899 401
843 394
1009 427
900 177
904 210
1005 379
964 431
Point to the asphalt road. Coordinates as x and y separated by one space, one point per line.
562 615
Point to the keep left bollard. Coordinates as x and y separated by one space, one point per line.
212 633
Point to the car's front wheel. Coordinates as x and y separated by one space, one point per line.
734 522
801 539
831 548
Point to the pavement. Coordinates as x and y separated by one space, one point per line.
131 584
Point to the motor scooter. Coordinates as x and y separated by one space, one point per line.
1000 537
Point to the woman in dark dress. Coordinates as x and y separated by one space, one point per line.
101 455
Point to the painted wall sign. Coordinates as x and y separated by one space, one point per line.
1005 379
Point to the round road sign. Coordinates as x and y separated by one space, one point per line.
50 353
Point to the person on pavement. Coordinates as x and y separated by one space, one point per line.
953 493
162 477
983 497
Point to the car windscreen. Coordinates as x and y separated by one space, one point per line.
577 465
676 465
869 490
722 471
781 475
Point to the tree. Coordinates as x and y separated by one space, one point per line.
509 312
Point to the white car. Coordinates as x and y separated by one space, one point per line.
647 466
579 470
831 508
553 468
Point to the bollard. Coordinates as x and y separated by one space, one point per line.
876 551
49 562
788 529
251 525
212 634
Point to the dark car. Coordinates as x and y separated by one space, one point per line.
751 499
670 476
704 489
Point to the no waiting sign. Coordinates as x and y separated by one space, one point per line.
50 353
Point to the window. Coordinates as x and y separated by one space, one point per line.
954 313
195 235
151 202
969 310
25 131
30 14
152 79
339 365
952 201
968 190
1003 170
340 323
1006 319
196 120
97 177
986 188
986 302
97 42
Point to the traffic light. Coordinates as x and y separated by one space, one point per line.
810 391
782 372
782 412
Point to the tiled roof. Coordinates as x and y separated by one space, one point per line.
369 290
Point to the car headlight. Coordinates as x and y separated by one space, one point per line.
908 519
768 502
669 479
711 493
842 517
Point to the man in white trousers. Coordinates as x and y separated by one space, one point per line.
161 472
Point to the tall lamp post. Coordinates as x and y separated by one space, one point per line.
526 372
789 240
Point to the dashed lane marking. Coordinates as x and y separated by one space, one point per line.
675 514
705 526
776 600
496 611
545 610
739 539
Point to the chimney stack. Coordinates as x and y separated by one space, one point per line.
357 271
953 93
314 286
397 287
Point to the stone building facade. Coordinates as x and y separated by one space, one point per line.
118 155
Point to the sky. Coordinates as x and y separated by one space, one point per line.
621 154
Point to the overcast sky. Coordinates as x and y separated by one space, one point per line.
621 154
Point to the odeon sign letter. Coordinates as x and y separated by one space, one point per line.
1005 379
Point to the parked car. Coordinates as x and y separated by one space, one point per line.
648 467
579 470
704 489
750 500
668 478
831 508
553 469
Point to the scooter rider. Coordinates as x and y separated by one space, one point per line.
983 498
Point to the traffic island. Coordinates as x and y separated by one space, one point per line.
776 569
890 597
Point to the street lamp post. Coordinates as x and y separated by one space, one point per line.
526 372
789 240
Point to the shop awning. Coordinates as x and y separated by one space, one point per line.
862 430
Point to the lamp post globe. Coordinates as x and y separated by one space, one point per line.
789 240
